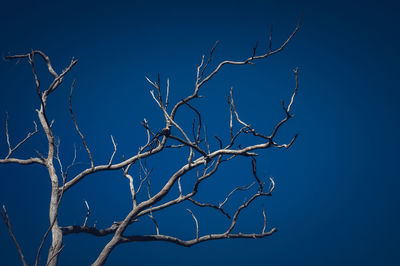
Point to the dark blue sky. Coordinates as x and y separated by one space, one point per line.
336 200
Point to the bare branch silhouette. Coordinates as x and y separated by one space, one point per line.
203 159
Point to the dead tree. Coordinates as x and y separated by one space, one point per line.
201 157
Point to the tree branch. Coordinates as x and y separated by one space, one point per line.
189 243
76 126
30 134
203 159
115 150
251 58
6 220
87 214
219 208
197 224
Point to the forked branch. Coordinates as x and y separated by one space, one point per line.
11 149
203 160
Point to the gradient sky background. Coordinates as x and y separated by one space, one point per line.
336 200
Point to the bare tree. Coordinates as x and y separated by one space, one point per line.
201 157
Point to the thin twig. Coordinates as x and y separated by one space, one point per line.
6 220
115 150
209 58
151 213
30 134
76 126
219 208
242 188
167 94
197 223
179 187
265 220
254 168
87 214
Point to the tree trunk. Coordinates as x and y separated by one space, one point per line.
56 233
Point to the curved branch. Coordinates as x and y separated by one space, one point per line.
197 223
252 58
219 208
42 55
189 243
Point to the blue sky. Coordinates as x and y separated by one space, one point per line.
336 200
